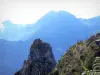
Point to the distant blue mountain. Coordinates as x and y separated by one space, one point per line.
60 29
92 23
95 21
15 32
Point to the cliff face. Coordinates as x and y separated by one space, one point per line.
79 57
40 60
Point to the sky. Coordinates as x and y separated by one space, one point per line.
29 11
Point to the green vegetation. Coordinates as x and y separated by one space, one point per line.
79 57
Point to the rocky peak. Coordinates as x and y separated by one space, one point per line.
40 50
40 60
37 41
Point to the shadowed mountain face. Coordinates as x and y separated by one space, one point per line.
40 60
61 29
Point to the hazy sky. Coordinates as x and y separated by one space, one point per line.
29 11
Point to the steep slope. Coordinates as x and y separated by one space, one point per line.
79 57
40 60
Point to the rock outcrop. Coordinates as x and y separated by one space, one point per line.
40 60
79 57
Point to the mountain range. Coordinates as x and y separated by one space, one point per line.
61 29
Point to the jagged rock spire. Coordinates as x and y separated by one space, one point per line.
40 60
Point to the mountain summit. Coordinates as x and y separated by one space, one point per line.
40 60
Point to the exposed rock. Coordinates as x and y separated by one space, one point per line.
79 57
40 60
